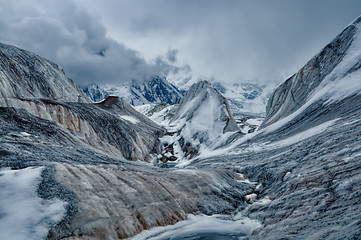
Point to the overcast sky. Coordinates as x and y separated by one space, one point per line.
115 41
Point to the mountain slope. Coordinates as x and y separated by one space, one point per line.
331 68
246 98
305 161
42 89
25 74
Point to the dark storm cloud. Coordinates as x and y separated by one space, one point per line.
65 32
172 55
224 40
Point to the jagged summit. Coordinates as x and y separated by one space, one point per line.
154 90
204 102
27 75
157 89
325 74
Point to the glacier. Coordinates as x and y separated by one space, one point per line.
105 170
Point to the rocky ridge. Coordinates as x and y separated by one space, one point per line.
154 90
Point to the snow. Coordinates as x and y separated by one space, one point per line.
162 117
255 121
144 109
129 119
200 120
245 129
303 135
205 122
338 84
250 197
232 148
156 89
243 179
25 134
263 202
24 215
195 227
248 97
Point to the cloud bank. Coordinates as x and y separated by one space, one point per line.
229 41
66 33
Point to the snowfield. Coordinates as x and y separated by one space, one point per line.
23 214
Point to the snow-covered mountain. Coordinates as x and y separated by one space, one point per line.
202 119
246 98
247 102
155 90
331 75
297 177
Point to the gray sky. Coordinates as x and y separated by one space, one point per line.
230 41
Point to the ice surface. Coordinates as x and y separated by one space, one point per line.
304 168
24 215
202 227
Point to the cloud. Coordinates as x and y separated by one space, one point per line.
65 32
172 55
228 41
232 41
